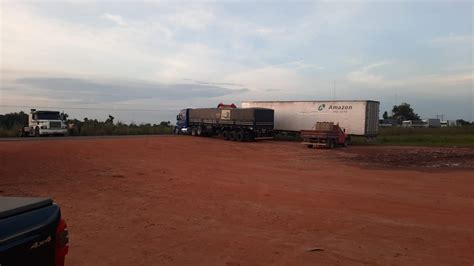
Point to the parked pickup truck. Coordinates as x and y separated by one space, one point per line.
325 134
32 232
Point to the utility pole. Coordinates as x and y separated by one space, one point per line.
334 90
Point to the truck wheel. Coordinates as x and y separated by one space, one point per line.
225 134
37 132
310 146
232 135
346 143
239 136
199 131
193 131
331 144
250 136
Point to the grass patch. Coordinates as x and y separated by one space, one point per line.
447 137
436 137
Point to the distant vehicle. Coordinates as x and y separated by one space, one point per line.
413 123
32 232
388 123
239 124
41 122
357 117
432 122
325 134
449 123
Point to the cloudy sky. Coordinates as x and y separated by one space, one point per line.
144 61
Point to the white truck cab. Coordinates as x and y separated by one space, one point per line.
42 122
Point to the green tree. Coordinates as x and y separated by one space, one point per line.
404 112
110 120
13 119
385 115
64 116
462 122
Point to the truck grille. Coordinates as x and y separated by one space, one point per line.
55 124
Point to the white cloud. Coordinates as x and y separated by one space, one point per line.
143 49
433 83
454 40
364 76
193 18
114 18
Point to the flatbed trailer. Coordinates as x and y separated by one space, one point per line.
239 124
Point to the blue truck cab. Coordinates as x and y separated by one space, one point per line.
182 122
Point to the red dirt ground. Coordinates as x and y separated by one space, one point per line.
185 200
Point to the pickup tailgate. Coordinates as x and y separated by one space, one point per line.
317 134
27 231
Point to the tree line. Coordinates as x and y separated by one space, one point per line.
12 123
404 112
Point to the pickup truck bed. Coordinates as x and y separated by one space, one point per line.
31 232
10 206
325 134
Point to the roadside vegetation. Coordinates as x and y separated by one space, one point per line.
461 136
11 124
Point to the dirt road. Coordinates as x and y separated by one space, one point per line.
185 200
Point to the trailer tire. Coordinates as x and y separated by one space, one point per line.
250 135
193 131
37 131
199 131
232 135
239 136
225 134
310 146
331 144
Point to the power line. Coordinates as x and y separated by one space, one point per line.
440 117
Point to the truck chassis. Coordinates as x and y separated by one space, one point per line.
235 132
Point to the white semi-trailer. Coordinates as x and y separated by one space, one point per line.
42 122
356 117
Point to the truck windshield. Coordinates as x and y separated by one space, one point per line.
48 116
181 115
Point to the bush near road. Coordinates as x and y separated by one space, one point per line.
98 128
